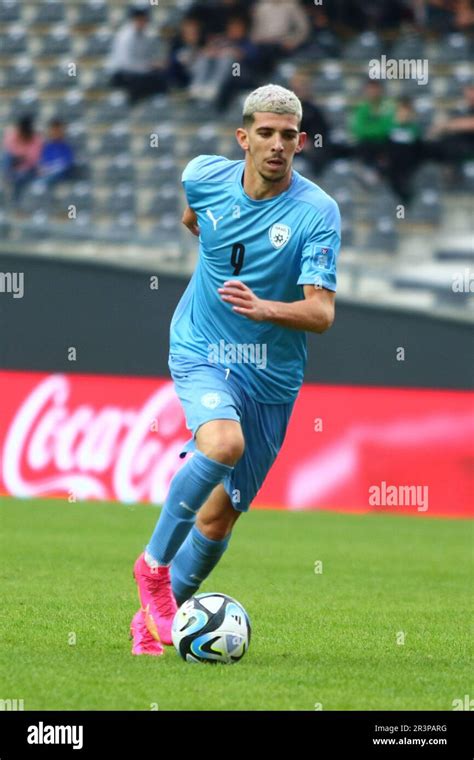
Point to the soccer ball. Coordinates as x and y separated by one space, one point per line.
211 628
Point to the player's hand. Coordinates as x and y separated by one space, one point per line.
189 219
243 300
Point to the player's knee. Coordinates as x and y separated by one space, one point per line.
226 448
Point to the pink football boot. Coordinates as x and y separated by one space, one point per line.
143 641
156 598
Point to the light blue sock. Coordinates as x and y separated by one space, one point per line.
197 556
189 489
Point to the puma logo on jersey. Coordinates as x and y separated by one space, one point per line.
211 217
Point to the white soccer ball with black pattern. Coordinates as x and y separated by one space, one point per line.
211 628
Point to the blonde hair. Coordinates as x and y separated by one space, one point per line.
271 98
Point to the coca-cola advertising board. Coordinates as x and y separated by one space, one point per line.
405 451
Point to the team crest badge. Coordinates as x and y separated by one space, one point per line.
211 400
279 235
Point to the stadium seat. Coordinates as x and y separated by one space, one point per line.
347 232
383 236
98 44
364 47
21 74
116 140
338 176
429 175
156 109
91 12
425 110
329 80
72 105
120 200
410 88
36 197
452 49
13 41
120 170
62 76
25 103
325 45
159 142
48 12
77 137
83 227
335 108
10 11
233 115
344 199
426 207
203 140
97 79
37 227
81 196
112 109
382 204
166 230
462 76
467 174
123 227
167 200
163 171
408 46
56 42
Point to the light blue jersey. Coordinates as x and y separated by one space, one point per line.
274 246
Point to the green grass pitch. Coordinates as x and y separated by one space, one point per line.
325 639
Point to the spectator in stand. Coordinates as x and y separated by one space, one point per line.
214 76
57 158
445 15
317 149
363 15
371 124
453 138
184 51
132 61
322 41
464 21
215 14
404 150
279 28
22 147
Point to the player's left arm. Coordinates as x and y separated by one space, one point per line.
314 313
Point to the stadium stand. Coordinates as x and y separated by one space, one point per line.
126 186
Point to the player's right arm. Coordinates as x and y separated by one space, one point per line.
193 178
189 219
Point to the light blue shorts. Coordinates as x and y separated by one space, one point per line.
205 395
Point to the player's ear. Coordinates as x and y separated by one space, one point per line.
242 137
301 141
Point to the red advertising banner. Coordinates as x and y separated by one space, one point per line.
405 451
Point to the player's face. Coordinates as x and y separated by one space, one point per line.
271 142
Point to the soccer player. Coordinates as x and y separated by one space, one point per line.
268 244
